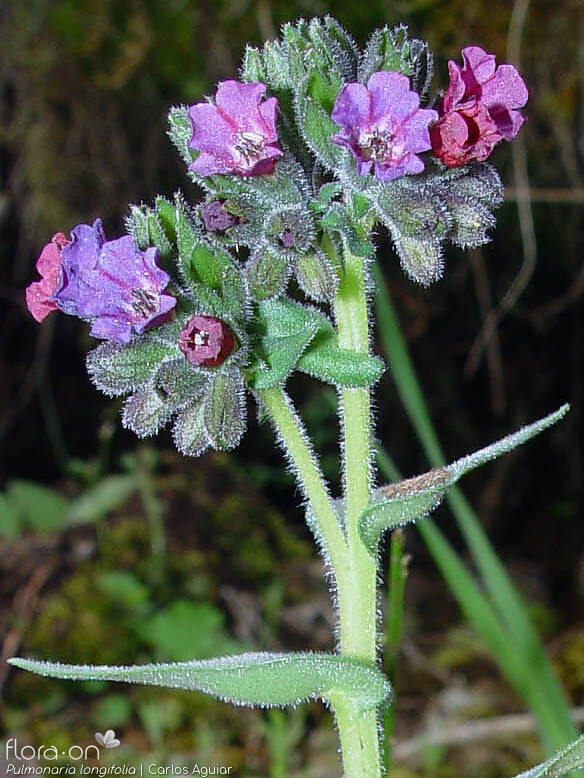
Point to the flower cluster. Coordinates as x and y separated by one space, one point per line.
290 182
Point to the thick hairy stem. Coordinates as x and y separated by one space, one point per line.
357 581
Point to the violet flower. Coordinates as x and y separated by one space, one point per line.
479 108
39 294
383 125
206 341
112 284
217 218
238 134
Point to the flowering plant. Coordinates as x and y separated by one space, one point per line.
316 146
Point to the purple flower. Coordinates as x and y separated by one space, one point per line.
112 284
217 218
236 135
383 125
479 108
206 341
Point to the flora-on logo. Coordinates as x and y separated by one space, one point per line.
107 740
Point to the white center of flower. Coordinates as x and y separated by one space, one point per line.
381 146
201 338
249 145
144 303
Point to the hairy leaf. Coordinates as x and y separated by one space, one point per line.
286 329
224 411
189 432
567 759
145 412
116 369
326 361
414 498
253 680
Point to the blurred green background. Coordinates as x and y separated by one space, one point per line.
115 551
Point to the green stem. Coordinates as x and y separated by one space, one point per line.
355 569
296 444
357 581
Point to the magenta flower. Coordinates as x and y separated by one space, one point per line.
39 294
479 108
383 125
112 284
206 341
236 135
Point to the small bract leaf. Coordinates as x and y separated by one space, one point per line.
180 132
412 499
224 410
145 412
337 220
567 759
189 433
267 274
421 258
286 330
178 382
316 276
341 367
317 128
116 369
253 680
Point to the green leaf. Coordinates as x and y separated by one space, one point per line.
189 433
116 369
416 497
180 132
316 276
99 501
224 410
38 507
317 128
567 759
288 328
338 220
253 680
124 588
267 274
167 217
145 412
10 525
341 367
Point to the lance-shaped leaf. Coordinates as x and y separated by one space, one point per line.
567 759
414 498
253 680
116 369
286 329
324 360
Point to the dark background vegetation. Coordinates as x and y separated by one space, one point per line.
85 88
